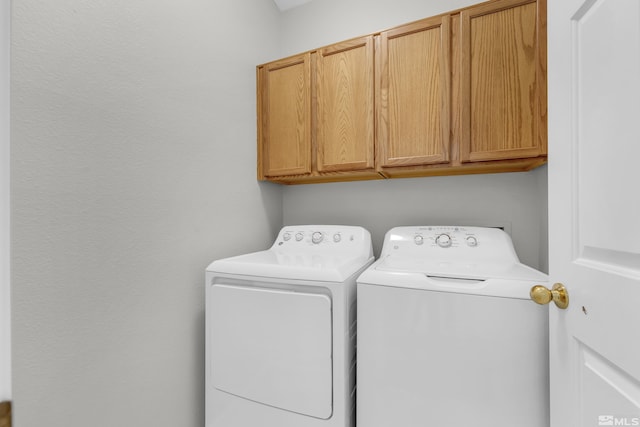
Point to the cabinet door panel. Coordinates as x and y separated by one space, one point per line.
414 96
503 85
345 123
285 116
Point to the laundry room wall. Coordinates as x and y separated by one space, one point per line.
133 167
510 201
515 201
5 319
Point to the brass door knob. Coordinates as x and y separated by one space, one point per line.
558 294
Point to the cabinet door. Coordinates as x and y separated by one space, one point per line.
503 69
284 115
414 94
345 122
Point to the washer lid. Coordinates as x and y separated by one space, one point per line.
463 269
457 259
509 280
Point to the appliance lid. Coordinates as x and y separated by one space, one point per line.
507 280
455 259
322 267
462 269
325 253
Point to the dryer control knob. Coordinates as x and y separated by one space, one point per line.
443 240
418 239
299 236
337 237
472 241
286 236
316 237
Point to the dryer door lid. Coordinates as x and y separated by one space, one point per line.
273 347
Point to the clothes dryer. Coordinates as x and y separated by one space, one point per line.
280 330
447 334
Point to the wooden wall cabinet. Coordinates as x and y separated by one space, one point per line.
503 73
284 117
459 93
414 94
344 125
316 115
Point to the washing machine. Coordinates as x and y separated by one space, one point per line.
280 330
447 334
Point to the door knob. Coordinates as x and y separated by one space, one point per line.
558 294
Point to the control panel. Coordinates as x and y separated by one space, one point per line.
445 237
449 242
321 238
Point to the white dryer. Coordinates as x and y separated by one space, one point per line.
280 330
447 334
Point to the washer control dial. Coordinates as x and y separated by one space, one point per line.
316 237
418 239
443 240
286 236
337 237
299 236
472 241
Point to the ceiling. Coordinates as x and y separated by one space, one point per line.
288 4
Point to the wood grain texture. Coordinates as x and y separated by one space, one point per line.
542 77
5 414
459 93
344 100
323 177
285 116
443 169
501 81
456 91
414 94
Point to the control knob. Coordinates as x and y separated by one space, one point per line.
286 236
443 240
337 237
316 237
472 241
418 239
299 236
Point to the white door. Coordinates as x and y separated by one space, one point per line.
594 210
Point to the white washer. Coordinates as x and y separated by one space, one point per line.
280 330
447 334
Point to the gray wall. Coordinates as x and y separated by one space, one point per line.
133 166
5 318
516 201
322 22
